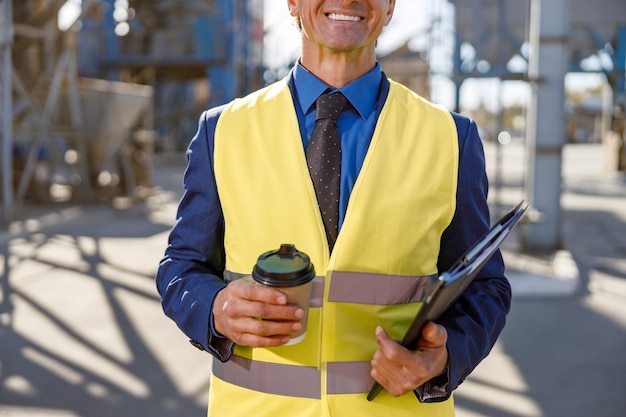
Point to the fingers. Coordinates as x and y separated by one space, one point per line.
388 366
246 289
433 336
246 299
252 315
261 333
401 370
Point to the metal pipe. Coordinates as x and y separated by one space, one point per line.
6 40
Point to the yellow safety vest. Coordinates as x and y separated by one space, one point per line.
384 259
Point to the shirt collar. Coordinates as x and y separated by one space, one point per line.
361 93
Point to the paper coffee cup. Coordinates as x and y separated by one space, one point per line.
290 272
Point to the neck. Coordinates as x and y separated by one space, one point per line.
338 69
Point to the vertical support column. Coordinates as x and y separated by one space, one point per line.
620 94
620 57
6 68
76 114
501 72
112 41
548 65
457 77
223 77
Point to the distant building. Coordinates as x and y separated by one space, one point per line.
409 68
195 53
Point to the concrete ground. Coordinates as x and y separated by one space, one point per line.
561 353
82 332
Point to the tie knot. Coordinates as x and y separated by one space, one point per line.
330 106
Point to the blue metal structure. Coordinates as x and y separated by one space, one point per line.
6 103
552 38
174 44
620 64
196 53
497 30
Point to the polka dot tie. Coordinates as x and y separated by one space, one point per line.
323 156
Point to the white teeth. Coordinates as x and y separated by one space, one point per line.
336 16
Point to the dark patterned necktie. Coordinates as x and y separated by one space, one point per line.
323 155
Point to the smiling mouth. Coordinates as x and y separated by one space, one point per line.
344 18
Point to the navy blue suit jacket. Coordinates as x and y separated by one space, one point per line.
190 274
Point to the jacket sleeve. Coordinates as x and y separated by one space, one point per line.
191 273
475 321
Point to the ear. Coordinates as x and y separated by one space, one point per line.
293 7
392 6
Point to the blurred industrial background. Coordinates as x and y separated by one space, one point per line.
89 98
99 99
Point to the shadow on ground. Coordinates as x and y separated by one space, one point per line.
81 328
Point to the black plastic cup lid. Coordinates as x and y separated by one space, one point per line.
285 267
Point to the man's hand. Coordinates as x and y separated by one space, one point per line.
400 370
253 315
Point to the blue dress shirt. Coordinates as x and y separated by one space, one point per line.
356 123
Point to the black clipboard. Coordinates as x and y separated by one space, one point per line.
451 284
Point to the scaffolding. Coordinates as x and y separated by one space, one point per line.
47 145
78 105
552 38
195 53
6 41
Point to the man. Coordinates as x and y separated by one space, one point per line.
412 199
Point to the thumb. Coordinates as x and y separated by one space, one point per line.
382 338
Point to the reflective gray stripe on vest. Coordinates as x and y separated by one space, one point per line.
317 294
271 378
349 377
366 288
230 276
292 380
381 289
